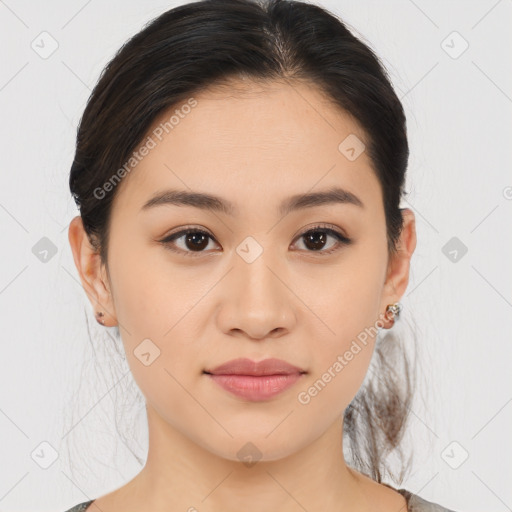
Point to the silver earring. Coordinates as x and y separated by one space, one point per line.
394 308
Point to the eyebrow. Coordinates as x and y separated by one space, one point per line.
214 203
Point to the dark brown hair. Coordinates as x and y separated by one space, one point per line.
207 43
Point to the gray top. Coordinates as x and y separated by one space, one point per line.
414 504
80 507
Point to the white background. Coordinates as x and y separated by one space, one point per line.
459 124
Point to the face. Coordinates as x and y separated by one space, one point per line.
257 282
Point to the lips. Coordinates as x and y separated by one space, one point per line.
256 381
244 366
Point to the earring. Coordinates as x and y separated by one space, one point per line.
394 310
99 317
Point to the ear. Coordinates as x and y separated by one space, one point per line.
92 272
397 277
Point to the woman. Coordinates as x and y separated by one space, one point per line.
239 169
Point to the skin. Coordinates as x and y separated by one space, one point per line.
254 147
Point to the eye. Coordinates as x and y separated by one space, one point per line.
317 236
194 239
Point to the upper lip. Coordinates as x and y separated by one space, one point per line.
243 366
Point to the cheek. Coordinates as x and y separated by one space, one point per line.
158 311
340 363
346 298
160 346
150 295
347 305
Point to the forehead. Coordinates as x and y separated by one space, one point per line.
263 118
244 139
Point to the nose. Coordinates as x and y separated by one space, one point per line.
256 301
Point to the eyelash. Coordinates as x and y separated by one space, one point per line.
341 240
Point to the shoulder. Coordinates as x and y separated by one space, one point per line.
81 507
388 497
417 504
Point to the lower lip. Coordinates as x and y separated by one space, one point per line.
256 388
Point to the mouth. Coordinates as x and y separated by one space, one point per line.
255 381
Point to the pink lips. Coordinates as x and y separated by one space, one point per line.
253 380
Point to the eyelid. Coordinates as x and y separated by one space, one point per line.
325 226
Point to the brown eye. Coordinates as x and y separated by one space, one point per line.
315 240
194 241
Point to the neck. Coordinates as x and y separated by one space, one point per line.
179 474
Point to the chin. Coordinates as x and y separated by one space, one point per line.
251 449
